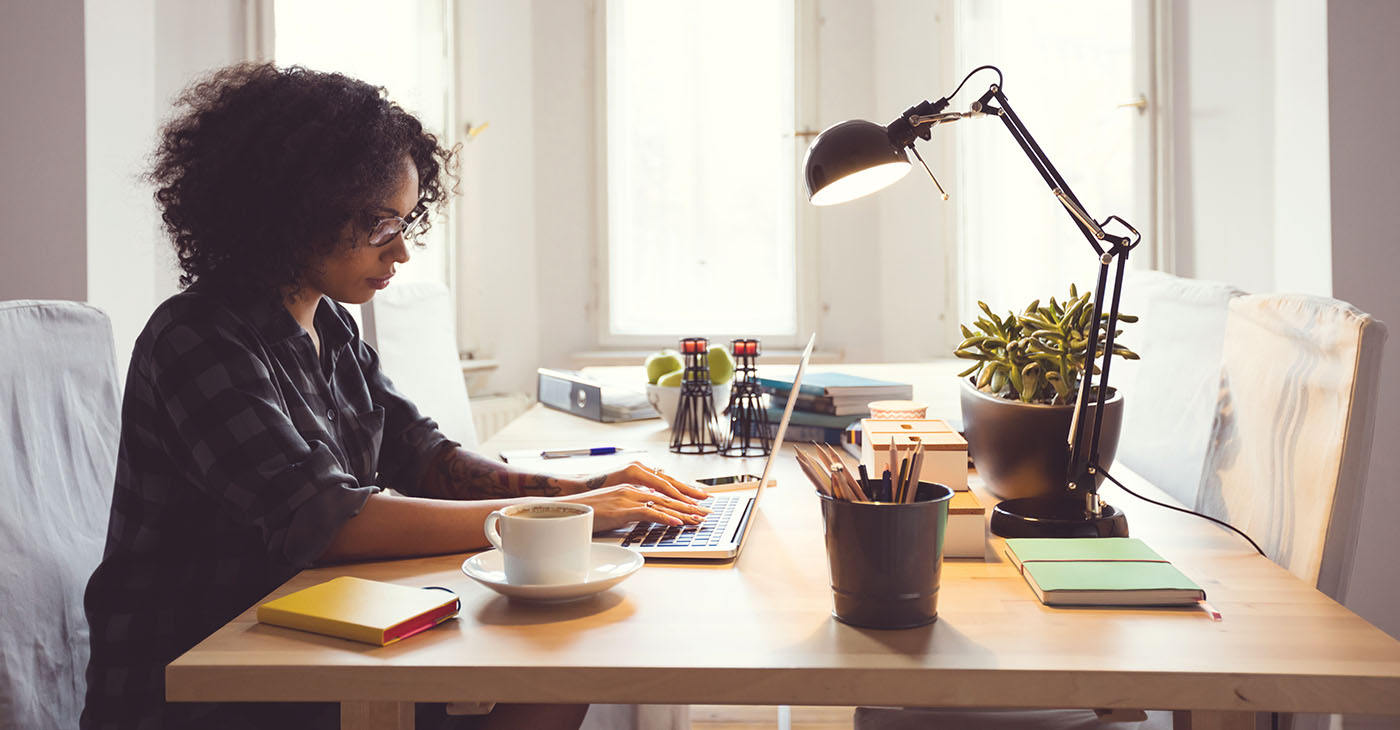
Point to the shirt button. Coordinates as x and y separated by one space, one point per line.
330 415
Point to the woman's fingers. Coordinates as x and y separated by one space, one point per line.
616 506
665 483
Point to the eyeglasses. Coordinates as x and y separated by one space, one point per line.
412 226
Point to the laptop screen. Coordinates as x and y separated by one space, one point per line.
787 415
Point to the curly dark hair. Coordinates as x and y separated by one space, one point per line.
262 167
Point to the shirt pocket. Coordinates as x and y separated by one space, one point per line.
362 434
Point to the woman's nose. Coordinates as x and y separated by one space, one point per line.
397 250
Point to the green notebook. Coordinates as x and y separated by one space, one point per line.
1102 571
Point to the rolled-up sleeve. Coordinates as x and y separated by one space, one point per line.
244 452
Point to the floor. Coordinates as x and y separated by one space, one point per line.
732 717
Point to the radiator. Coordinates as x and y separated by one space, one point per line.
491 413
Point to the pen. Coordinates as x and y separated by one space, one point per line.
595 451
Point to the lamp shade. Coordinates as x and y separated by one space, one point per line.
852 159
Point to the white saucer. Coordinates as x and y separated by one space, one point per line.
608 566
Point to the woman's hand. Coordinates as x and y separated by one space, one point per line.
638 493
614 507
642 475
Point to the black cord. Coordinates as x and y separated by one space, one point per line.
969 75
1181 509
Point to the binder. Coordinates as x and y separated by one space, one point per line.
573 392
369 611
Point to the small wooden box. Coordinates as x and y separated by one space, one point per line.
966 533
945 451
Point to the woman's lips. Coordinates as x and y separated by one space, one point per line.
379 283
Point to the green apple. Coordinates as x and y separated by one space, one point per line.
721 365
660 363
671 379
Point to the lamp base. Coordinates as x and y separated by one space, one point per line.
1059 516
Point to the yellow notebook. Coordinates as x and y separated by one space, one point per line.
362 610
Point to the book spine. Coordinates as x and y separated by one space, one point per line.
320 625
822 403
808 418
783 387
421 622
797 432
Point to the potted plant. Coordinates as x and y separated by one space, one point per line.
1018 399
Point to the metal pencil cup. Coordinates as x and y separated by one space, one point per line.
886 558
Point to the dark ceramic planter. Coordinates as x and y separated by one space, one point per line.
1020 448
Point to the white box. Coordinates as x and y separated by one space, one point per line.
945 450
966 535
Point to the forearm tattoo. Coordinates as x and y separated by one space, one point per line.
455 473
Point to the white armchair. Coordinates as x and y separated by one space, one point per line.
413 327
58 455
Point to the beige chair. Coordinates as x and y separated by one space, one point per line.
58 455
1286 462
1291 445
1292 437
413 328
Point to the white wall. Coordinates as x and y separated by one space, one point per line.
1224 141
1302 197
43 151
122 236
1250 152
139 55
498 255
1364 60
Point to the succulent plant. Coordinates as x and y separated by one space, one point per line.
1037 356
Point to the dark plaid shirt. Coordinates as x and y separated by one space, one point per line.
242 454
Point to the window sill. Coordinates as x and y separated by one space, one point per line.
780 356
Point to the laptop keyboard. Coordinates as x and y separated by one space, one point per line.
706 534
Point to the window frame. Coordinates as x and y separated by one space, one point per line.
805 254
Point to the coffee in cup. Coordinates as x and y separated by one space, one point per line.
544 543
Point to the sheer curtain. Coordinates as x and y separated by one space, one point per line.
1067 65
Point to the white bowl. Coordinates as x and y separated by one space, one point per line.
666 399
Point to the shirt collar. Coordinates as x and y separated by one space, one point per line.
334 331
276 324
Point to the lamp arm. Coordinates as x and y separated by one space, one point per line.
1108 246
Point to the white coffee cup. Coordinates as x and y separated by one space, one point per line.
544 543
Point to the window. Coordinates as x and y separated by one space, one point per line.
1069 68
404 47
701 171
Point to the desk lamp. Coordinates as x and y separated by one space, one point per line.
855 158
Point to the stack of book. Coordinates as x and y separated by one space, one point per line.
827 403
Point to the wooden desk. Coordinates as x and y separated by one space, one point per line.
760 631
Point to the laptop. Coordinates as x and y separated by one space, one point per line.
725 529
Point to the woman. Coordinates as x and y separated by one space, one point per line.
257 428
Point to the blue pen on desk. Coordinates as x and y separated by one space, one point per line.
595 451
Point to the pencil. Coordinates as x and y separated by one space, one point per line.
894 459
865 483
915 468
818 478
849 481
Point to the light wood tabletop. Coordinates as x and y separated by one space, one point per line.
759 630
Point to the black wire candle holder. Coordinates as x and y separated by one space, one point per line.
748 419
696 430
